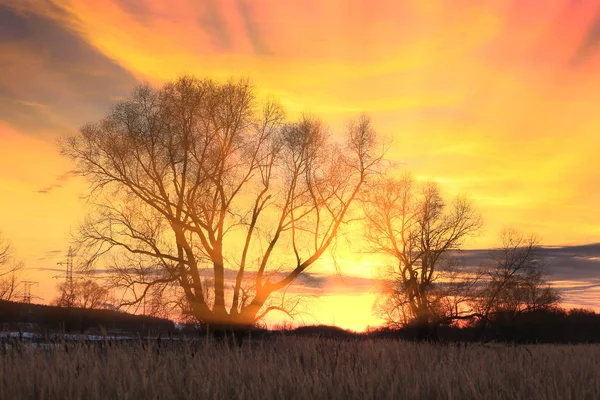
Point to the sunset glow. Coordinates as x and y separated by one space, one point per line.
496 100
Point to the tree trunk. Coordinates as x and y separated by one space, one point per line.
232 334
232 328
426 327
219 308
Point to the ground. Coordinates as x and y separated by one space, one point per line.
299 368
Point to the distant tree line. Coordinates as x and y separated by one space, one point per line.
550 325
43 318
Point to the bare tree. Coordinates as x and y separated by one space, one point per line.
66 295
10 270
414 225
427 286
514 279
199 181
83 293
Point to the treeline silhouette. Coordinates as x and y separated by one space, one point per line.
44 318
546 326
555 325
541 326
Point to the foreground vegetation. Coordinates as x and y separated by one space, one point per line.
301 368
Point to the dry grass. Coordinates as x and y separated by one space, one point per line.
302 368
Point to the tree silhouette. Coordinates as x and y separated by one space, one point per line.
514 279
203 188
83 293
9 271
414 225
426 286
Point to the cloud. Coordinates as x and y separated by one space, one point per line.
139 9
66 176
50 254
60 181
50 188
212 22
574 270
47 269
51 79
337 283
24 103
589 44
253 29
576 263
580 263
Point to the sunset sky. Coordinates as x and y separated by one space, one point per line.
498 100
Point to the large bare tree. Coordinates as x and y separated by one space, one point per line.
412 223
201 186
10 270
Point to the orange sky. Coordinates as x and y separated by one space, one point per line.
495 99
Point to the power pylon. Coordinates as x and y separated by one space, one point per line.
69 288
27 291
68 268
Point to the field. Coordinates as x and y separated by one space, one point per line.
300 368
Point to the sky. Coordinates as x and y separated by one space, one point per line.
493 99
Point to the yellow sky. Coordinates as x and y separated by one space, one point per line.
496 99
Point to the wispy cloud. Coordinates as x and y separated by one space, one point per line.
60 181
49 269
589 44
51 78
50 255
253 29
24 103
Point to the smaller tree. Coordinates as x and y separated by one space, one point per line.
66 294
91 294
514 279
414 225
426 286
10 270
84 293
